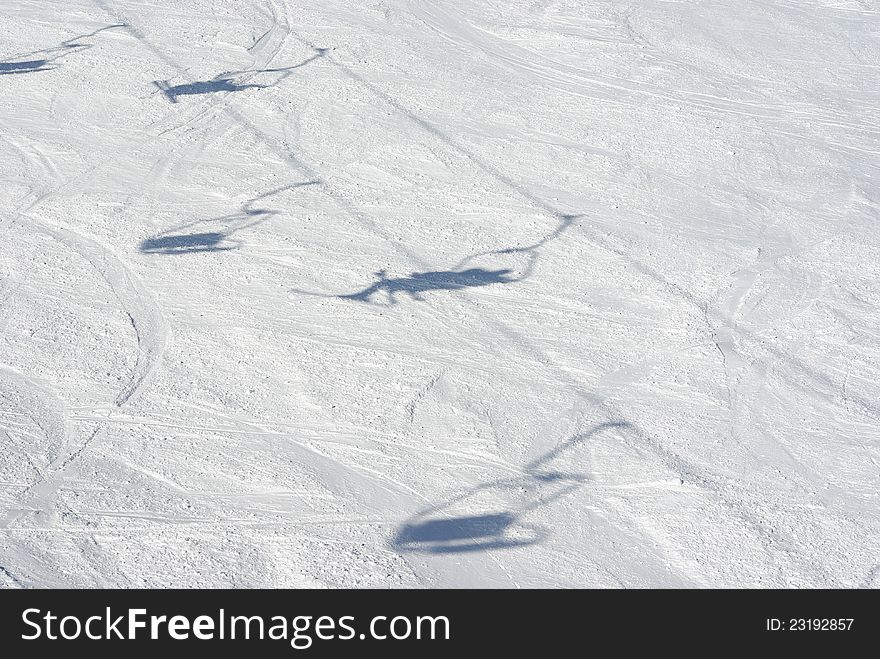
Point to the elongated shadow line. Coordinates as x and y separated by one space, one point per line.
322 52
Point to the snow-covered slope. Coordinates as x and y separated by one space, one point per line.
439 293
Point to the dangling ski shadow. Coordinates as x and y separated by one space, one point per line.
174 242
234 81
47 58
456 278
441 529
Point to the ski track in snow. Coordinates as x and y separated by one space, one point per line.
385 329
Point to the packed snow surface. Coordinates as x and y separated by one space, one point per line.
439 293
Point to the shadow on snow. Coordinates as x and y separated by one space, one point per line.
456 278
49 56
175 241
445 529
229 82
421 282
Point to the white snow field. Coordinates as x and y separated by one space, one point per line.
432 293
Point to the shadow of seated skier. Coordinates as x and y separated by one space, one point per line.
421 282
457 277
220 84
234 81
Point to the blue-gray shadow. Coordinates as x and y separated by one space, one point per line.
421 282
229 82
30 66
465 534
186 243
48 56
175 241
457 278
437 530
203 87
